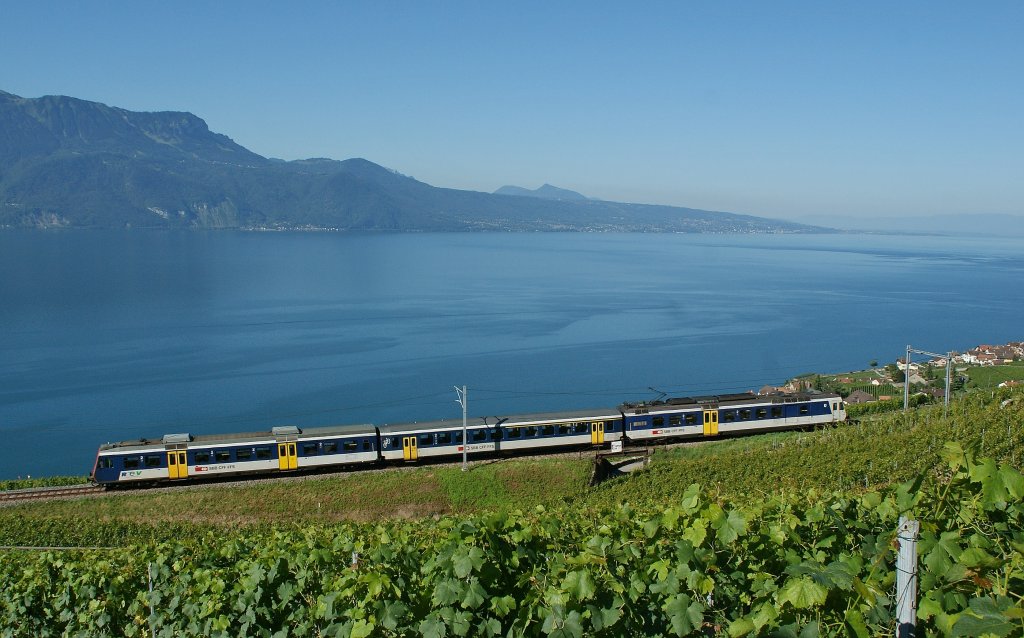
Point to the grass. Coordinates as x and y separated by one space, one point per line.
991 376
411 493
45 481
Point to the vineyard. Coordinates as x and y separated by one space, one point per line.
792 545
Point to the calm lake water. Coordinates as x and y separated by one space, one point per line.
108 336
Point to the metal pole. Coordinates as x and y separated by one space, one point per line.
906 578
149 574
465 443
906 381
949 363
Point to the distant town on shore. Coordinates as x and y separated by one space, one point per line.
882 383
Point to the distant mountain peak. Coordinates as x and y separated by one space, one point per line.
547 191
67 162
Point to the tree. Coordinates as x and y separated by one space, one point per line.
873 363
895 373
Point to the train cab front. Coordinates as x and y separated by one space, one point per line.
103 472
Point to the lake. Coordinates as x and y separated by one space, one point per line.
107 336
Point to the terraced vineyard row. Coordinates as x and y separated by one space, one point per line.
798 565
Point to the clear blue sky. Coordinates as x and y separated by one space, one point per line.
784 109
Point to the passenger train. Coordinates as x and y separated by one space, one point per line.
284 449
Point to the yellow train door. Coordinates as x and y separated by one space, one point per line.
710 422
409 450
172 465
597 432
182 465
287 456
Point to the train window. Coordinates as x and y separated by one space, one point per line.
842 406
426 439
776 412
202 457
496 434
261 453
658 421
243 454
153 460
350 446
745 414
105 463
131 464
563 430
458 437
331 447
762 413
729 416
222 456
549 430
581 428
675 419
691 419
804 409
366 444
531 431
479 435
514 433
444 438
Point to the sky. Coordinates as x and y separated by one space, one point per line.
793 110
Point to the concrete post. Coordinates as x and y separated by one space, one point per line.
906 578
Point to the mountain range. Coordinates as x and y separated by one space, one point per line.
547 191
67 162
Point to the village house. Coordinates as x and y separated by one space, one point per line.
917 379
859 396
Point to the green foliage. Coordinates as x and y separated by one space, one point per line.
699 563
786 542
45 481
894 404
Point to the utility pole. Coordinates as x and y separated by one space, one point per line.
906 381
906 376
465 442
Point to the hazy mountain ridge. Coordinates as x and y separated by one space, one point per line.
66 162
547 191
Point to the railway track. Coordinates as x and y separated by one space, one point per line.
47 493
10 497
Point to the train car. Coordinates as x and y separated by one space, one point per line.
412 441
184 456
557 429
176 457
692 417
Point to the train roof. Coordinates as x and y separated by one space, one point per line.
492 421
720 399
269 436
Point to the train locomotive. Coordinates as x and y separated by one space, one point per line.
285 449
